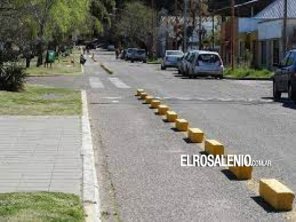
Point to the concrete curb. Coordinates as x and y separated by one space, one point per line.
90 188
109 71
255 79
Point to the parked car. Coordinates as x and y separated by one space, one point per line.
205 63
181 61
129 53
111 48
187 62
139 55
171 59
284 79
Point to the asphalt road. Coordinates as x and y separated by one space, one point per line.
138 154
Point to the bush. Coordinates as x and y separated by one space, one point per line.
248 73
12 78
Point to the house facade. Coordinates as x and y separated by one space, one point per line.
270 32
259 39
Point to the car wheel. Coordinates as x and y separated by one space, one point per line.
163 68
144 61
276 94
292 93
132 61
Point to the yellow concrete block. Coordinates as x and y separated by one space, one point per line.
195 135
214 147
162 109
182 124
155 103
242 172
276 194
171 116
148 99
139 91
143 95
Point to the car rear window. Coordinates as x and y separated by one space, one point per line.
208 59
141 51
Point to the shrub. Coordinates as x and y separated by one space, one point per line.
247 72
12 78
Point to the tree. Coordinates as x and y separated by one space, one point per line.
135 23
39 20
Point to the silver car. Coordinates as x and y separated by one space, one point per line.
181 63
206 63
188 61
171 59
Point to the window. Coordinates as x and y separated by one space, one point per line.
191 57
285 60
276 52
242 49
291 59
263 53
208 59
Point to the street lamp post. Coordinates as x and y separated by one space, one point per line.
185 25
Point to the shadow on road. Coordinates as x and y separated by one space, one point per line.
229 175
180 76
260 201
287 103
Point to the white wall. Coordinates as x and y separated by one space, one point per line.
247 25
270 30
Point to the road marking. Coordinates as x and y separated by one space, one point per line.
90 192
119 84
95 83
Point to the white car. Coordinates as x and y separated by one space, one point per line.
181 63
171 59
188 61
206 63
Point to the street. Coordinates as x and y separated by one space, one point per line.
138 154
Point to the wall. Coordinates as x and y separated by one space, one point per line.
270 29
247 25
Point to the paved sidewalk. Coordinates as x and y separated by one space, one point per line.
40 154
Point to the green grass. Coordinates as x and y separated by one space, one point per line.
62 66
248 73
154 61
40 207
41 100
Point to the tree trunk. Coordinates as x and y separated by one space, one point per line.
28 61
40 47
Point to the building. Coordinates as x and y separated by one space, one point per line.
245 31
270 32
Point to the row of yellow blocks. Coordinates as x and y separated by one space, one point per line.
272 191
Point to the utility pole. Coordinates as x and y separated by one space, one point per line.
213 31
185 25
232 34
200 25
285 21
152 6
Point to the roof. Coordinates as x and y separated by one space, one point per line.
276 10
243 8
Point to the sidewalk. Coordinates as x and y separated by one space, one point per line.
40 154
